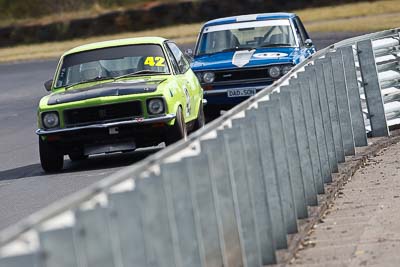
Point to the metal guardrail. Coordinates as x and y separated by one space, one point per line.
231 192
387 53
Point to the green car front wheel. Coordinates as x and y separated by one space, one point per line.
178 131
200 121
50 159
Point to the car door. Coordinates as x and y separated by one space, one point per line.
187 79
306 48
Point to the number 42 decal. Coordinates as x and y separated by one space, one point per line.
155 61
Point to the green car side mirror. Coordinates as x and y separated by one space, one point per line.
189 54
48 84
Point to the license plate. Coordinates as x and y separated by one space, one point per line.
108 148
241 92
113 130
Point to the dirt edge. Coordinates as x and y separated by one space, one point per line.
346 171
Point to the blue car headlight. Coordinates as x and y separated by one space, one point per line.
208 77
274 72
286 69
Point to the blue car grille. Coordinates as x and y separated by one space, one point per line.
104 113
242 74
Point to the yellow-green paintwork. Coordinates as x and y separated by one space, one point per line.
172 88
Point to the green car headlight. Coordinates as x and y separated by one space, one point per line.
155 106
50 119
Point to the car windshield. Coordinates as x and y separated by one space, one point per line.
111 62
245 35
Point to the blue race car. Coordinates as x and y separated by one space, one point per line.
235 57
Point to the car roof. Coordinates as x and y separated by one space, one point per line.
118 42
250 17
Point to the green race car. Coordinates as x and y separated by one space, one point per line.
117 96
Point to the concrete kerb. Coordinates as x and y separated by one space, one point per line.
346 171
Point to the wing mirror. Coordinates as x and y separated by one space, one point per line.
48 84
189 54
308 43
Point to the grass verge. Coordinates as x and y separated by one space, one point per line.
358 24
360 9
182 34
359 17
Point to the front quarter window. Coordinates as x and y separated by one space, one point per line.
300 30
180 58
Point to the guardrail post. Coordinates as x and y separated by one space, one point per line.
271 109
302 143
357 118
293 155
253 162
58 246
93 237
319 124
304 86
179 200
342 100
243 196
205 210
159 244
224 201
270 179
333 109
126 223
372 89
326 115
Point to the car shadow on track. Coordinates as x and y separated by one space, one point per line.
99 162
21 172
108 161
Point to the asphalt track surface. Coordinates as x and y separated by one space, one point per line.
24 187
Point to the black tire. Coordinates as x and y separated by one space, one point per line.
200 121
77 156
178 131
50 159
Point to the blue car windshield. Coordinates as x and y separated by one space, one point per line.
245 35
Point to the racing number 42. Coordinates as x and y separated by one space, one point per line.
155 61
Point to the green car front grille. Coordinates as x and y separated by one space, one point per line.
103 113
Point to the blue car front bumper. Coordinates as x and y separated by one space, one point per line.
231 95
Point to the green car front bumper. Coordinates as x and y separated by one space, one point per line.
136 121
